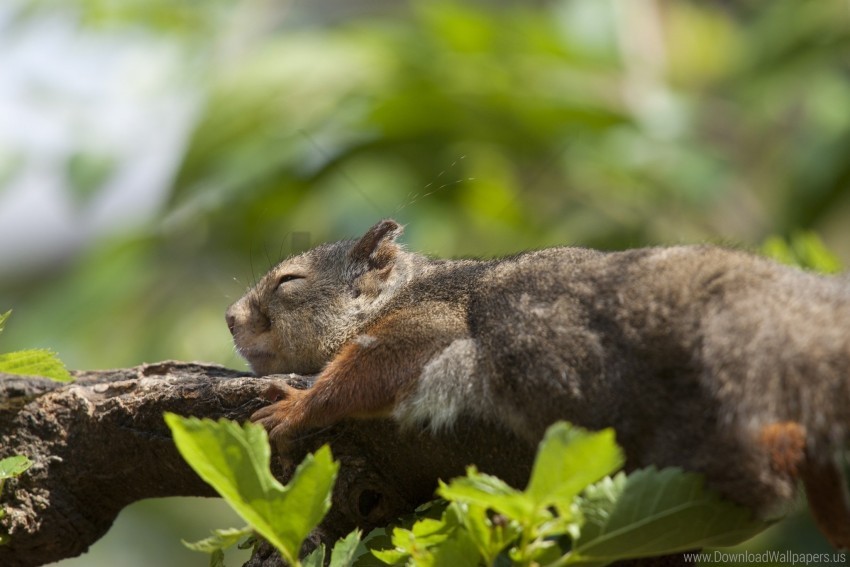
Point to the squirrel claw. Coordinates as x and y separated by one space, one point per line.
282 418
277 392
275 421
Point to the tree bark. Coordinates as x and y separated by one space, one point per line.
100 443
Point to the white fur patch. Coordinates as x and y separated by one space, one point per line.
365 341
445 389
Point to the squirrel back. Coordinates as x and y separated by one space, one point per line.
713 360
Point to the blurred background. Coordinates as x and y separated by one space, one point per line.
157 156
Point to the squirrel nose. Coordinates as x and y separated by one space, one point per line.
231 321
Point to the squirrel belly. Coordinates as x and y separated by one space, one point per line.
712 360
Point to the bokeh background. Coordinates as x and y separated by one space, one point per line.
157 156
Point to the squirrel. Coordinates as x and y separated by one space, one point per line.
710 359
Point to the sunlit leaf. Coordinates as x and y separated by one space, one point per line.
220 540
568 460
235 460
490 535
489 492
35 362
13 466
346 549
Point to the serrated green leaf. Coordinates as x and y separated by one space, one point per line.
235 459
391 556
3 317
35 362
346 550
490 492
13 466
375 541
458 551
568 460
429 531
315 558
221 539
343 554
418 543
490 537
652 512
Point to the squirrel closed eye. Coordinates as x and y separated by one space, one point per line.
288 278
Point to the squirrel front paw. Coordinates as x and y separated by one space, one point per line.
283 418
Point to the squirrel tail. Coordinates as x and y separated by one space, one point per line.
826 489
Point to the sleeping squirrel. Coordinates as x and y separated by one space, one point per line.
713 360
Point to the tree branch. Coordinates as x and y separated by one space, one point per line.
100 444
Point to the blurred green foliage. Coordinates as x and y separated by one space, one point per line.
487 127
803 249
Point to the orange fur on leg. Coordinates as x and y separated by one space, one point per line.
368 378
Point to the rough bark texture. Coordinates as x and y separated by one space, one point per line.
100 444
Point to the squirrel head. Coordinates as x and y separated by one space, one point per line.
304 309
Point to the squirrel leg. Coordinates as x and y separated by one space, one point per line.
369 377
277 415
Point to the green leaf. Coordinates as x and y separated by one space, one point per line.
376 539
391 556
315 558
35 362
489 492
220 540
346 550
419 542
13 466
235 461
652 512
3 318
425 533
457 551
489 536
568 460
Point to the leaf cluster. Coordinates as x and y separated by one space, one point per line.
576 509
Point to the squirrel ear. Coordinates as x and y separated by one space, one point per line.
377 248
